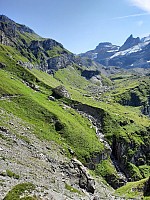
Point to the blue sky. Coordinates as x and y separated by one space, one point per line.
80 25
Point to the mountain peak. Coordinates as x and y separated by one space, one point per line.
104 46
130 42
4 18
9 25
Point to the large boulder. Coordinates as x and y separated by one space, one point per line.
60 92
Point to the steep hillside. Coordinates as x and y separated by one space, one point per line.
45 54
67 131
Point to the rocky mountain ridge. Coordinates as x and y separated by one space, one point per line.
134 53
47 54
42 53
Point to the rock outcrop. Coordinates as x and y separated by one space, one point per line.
88 74
47 54
85 180
128 159
130 42
137 96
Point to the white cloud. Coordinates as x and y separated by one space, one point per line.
134 15
143 4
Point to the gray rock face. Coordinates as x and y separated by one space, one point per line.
10 27
85 180
47 44
88 74
120 151
54 61
60 62
9 31
49 54
130 42
101 53
23 29
4 39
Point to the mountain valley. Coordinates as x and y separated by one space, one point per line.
73 126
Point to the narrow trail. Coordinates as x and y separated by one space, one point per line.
9 97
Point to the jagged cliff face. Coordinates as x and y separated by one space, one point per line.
130 42
9 31
47 54
52 55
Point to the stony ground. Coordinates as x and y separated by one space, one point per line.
42 163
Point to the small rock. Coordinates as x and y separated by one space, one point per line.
47 147
96 198
3 173
3 129
2 65
71 151
51 98
131 121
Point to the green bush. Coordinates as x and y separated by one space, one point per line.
12 174
19 190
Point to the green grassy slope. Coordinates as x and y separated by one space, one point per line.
35 108
133 190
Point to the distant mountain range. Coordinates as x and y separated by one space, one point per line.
134 53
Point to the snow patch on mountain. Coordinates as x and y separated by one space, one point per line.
133 49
